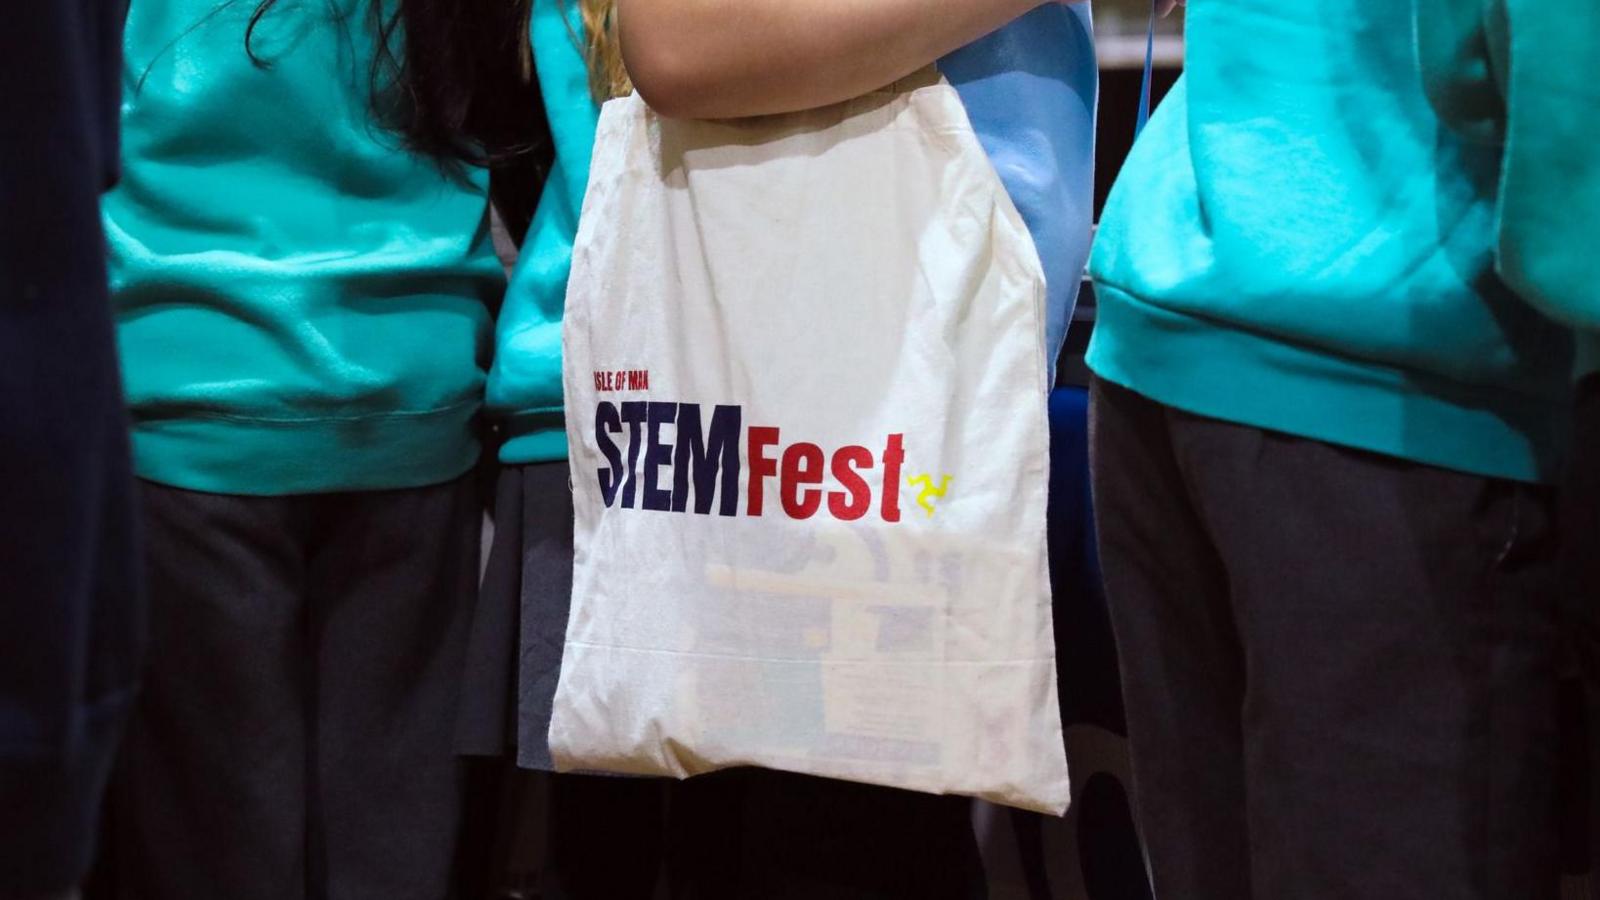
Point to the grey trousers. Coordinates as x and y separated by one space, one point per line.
294 737
1340 669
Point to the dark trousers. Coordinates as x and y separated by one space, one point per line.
1581 527
1340 669
294 737
754 834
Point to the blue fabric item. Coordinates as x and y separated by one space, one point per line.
1030 90
1149 73
71 597
1086 652
1089 683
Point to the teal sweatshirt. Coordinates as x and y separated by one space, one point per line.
303 306
1297 243
1516 73
525 383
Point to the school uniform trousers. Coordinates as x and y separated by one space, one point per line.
1581 529
1340 669
294 736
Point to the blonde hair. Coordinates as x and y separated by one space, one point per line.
607 77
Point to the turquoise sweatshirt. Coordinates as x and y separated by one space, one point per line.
302 305
1030 90
1298 243
525 383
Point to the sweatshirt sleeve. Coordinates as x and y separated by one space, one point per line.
1550 188
524 388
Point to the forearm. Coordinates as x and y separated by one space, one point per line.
726 58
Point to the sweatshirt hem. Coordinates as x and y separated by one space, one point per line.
1211 370
534 436
226 454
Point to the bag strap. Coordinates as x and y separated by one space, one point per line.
1149 71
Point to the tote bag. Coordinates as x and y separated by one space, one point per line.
805 400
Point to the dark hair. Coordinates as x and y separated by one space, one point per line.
453 78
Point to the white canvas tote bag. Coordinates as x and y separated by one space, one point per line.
805 398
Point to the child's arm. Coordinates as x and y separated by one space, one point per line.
725 58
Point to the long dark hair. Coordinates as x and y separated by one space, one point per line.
452 78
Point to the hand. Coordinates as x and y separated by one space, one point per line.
1165 7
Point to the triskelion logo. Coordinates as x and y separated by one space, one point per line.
700 461
929 493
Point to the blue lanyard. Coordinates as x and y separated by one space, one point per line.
1149 72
